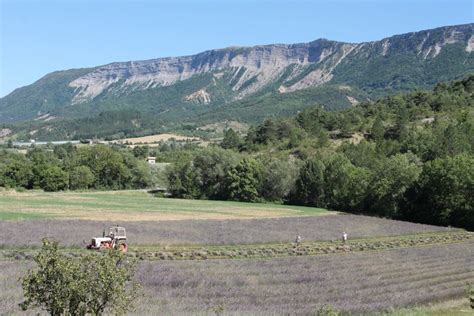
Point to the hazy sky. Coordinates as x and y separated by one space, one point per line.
40 36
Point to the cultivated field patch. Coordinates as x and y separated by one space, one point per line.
26 233
203 257
135 206
358 282
354 282
156 138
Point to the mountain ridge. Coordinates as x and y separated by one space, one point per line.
217 77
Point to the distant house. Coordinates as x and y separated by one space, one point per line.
151 160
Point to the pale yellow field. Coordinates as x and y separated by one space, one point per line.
156 138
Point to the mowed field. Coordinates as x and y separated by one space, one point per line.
155 138
211 257
125 206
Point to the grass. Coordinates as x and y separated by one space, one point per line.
16 216
134 206
457 307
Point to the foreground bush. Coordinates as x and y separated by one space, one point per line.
92 284
470 294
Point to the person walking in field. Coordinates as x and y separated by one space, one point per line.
298 240
344 237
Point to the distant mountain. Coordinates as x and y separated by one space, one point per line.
249 83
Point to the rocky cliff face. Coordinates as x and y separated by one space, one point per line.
236 73
264 64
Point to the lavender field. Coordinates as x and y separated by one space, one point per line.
355 282
385 264
210 232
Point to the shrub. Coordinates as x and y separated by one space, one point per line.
327 310
470 294
94 283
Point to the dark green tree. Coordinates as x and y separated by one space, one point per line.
391 179
231 140
60 152
267 132
211 166
244 180
345 184
140 152
309 188
80 178
279 179
444 195
54 179
18 173
378 130
183 180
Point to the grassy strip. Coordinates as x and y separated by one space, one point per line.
19 216
131 203
269 250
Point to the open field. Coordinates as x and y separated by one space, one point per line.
205 257
133 206
211 232
155 138
357 282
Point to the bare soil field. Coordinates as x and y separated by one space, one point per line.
354 282
210 232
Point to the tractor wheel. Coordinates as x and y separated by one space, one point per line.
123 247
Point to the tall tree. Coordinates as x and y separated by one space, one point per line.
309 188
391 179
444 195
378 130
244 180
231 140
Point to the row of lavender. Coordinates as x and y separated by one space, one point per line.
210 232
357 282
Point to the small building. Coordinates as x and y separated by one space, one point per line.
151 160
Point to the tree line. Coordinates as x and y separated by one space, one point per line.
75 168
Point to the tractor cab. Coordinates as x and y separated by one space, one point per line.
117 232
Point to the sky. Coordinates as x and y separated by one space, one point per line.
41 36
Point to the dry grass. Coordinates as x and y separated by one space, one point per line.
156 138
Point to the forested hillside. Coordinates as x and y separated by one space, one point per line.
409 156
